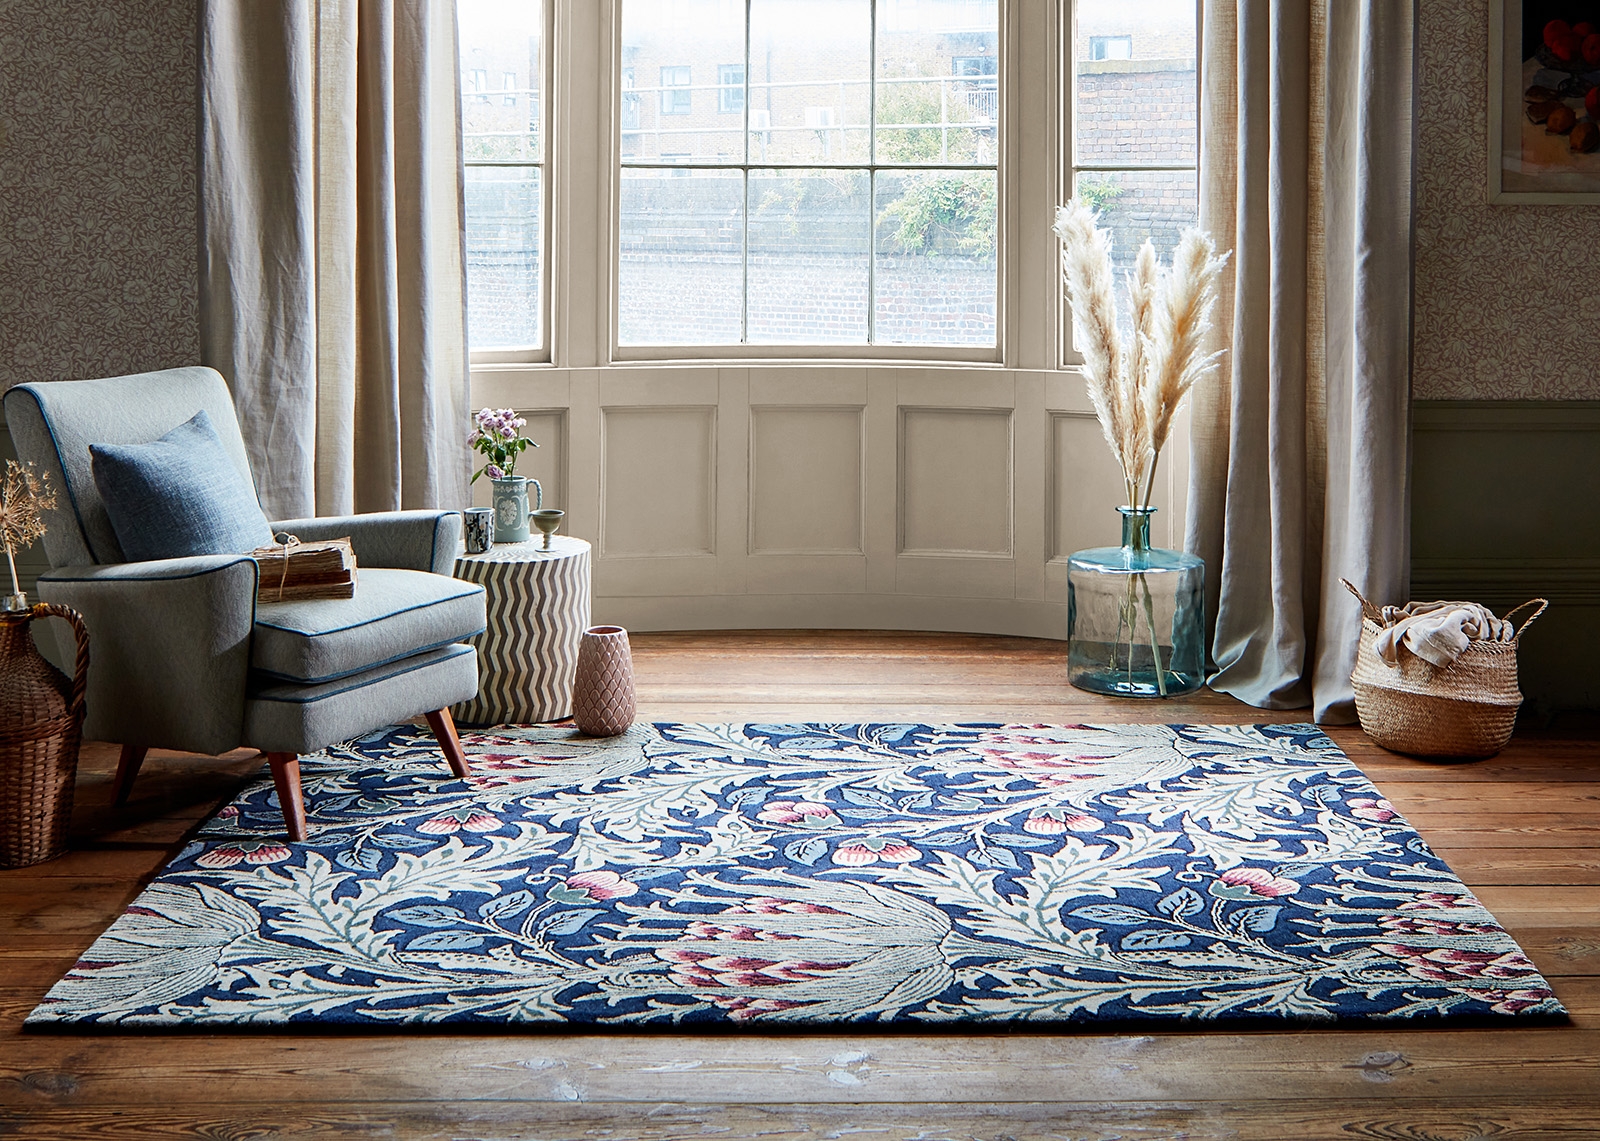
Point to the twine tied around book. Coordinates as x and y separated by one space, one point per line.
286 542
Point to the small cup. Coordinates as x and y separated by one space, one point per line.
478 526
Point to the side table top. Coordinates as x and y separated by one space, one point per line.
532 551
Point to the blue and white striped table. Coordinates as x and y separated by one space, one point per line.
538 609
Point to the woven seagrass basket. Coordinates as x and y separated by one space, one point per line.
41 724
1465 709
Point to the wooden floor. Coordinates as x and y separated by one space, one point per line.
1523 830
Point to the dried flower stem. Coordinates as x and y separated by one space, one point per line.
25 496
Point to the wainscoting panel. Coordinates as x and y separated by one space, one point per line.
1084 494
806 480
659 493
1505 508
955 481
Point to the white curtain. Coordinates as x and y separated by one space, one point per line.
332 287
1301 453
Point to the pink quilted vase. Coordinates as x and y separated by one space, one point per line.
602 694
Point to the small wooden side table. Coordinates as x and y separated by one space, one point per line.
538 609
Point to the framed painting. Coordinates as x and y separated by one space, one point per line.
1544 101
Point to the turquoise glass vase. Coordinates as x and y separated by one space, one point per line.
1136 616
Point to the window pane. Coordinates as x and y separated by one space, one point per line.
935 272
674 107
500 80
504 257
808 257
810 80
730 88
1135 87
1135 205
681 267
938 89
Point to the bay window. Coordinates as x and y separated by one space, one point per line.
773 283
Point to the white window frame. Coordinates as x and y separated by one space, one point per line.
953 354
542 96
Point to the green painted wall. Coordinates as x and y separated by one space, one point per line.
1506 507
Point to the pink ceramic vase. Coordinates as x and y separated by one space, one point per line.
602 693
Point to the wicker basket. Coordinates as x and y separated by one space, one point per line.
1465 709
41 723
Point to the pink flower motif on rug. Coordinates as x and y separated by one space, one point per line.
1378 811
1440 901
1248 883
807 813
472 819
1448 964
696 970
600 885
1510 1002
249 852
873 850
742 1008
1053 822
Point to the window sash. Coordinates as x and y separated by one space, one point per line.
539 97
872 346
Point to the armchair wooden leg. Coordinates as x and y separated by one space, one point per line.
127 768
444 729
286 776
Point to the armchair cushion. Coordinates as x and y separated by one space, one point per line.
178 496
394 614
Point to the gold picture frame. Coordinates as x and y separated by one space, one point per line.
1530 164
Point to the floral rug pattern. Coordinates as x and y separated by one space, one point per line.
811 874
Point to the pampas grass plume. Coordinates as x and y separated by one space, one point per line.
1136 388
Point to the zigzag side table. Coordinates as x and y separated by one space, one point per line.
538 609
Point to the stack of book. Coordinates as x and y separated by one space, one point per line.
296 570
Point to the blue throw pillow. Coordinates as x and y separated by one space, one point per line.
179 495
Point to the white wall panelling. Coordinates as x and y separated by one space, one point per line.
659 496
806 479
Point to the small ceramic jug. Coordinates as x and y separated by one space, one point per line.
511 507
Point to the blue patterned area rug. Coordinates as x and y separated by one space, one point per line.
812 875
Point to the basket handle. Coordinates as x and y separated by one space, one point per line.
1528 621
80 670
1367 609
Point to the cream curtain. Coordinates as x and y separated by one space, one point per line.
1301 454
332 289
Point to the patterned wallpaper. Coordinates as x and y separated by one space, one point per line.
1508 297
98 269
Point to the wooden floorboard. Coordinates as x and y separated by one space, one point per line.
1522 829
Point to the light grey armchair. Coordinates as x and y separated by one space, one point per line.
183 655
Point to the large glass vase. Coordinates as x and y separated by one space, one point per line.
1136 616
